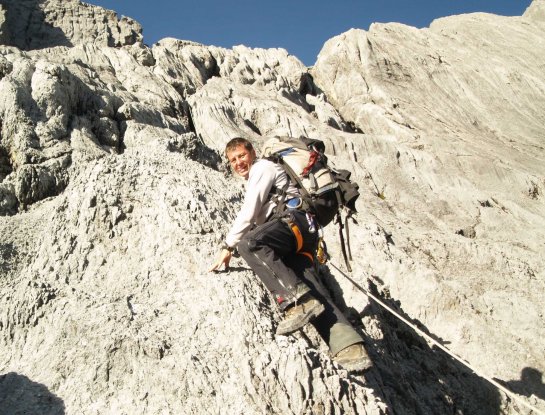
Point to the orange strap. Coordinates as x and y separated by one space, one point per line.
298 237
308 255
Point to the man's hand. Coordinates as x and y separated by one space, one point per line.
224 258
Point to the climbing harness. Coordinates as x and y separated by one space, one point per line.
436 343
298 238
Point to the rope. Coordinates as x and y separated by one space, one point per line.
443 348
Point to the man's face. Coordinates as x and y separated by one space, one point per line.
241 160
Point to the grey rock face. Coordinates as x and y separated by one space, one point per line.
38 24
114 199
455 112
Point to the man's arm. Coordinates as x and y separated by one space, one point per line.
223 259
260 181
257 193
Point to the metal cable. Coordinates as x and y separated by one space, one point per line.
436 343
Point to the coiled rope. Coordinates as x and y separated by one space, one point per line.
436 343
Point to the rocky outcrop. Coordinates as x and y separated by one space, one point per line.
114 198
39 24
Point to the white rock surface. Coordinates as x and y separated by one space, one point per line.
114 199
38 24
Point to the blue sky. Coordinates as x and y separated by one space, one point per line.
299 26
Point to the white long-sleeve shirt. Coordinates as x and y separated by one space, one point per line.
257 206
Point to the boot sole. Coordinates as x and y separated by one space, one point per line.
359 366
299 323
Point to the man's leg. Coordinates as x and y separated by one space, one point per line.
345 343
332 325
264 249
271 251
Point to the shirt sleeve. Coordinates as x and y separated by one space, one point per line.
260 182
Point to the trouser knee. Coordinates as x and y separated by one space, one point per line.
244 247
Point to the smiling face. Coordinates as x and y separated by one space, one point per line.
241 160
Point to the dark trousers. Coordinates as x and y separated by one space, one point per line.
271 250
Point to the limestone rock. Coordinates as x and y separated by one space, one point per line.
114 198
453 121
536 12
38 24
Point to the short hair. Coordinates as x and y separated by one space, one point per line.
238 141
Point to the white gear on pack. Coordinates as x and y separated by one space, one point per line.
324 191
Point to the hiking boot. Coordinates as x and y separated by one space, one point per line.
354 358
299 314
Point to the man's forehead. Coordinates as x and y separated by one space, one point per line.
240 149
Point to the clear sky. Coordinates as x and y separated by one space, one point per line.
299 26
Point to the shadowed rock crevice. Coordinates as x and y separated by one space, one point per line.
20 395
5 164
194 149
37 182
8 253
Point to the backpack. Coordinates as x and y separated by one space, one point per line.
324 190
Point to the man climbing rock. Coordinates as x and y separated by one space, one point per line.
280 249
